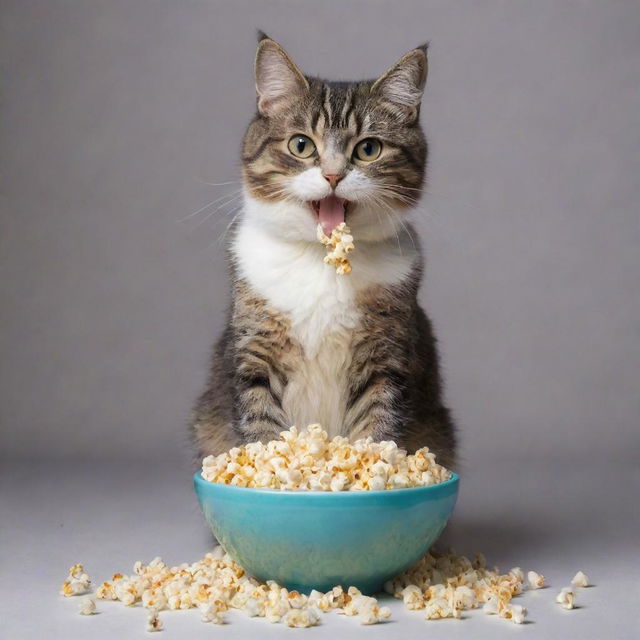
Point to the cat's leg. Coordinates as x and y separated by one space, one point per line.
394 385
213 416
242 402
433 429
376 405
383 406
258 385
257 362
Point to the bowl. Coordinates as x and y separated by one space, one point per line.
318 539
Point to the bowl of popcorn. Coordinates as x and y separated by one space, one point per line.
311 512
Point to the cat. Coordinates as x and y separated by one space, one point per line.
303 344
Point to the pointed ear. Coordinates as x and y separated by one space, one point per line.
402 86
278 81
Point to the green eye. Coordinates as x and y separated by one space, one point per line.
367 150
301 146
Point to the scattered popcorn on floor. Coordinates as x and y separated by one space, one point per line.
308 460
216 584
580 580
536 580
364 607
87 606
566 598
153 622
77 582
338 246
445 584
442 585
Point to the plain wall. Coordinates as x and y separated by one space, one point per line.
114 115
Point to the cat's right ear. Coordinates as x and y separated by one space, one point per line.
279 82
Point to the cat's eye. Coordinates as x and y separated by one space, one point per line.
367 150
301 146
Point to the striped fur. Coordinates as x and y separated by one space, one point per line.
302 344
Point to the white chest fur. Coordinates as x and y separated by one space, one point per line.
321 307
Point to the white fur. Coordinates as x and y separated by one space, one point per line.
367 221
287 269
310 185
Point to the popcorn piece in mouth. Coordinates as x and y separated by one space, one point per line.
339 245
87 606
153 622
308 460
580 580
536 580
566 597
77 582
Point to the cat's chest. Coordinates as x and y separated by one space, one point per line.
295 281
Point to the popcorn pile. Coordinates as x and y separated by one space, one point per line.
441 584
308 460
444 585
338 246
216 584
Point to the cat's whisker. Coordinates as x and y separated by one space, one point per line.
393 193
218 184
236 212
405 227
206 206
220 208
379 202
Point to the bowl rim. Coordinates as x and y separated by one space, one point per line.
201 482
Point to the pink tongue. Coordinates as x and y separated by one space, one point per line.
331 213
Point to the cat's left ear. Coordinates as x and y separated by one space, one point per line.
279 82
402 86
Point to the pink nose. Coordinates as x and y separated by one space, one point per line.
333 178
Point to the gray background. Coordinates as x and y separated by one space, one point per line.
115 114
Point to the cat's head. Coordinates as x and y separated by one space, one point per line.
320 151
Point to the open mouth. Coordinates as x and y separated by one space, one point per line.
331 211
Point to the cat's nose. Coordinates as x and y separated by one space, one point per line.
333 178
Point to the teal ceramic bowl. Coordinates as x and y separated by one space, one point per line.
316 540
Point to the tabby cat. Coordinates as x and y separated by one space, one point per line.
303 344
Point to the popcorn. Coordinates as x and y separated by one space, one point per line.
365 608
153 621
517 573
580 580
445 584
491 607
212 612
412 597
566 598
77 582
514 612
301 618
338 246
87 606
442 585
216 583
536 580
308 460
